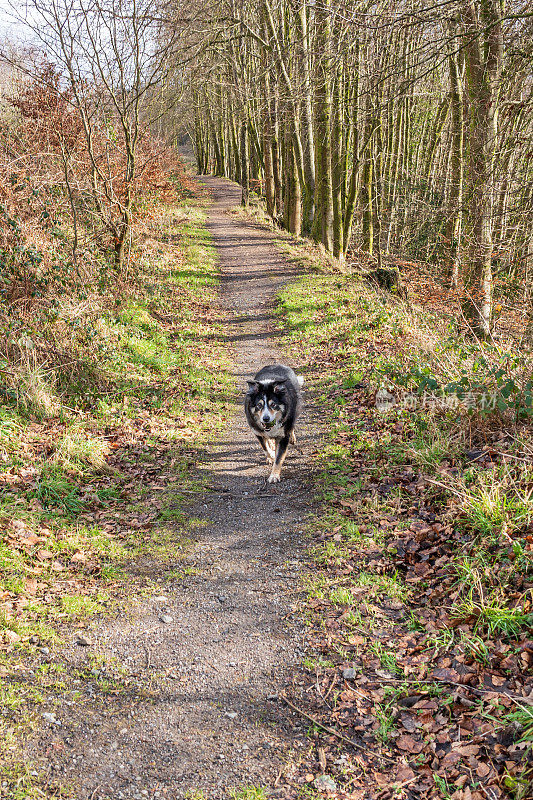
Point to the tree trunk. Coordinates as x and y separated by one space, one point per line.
337 173
270 189
366 187
483 56
455 199
308 132
245 166
322 230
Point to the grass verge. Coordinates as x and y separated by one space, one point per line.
97 454
421 607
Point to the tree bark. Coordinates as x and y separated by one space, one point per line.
483 56
455 199
322 230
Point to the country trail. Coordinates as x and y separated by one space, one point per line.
213 720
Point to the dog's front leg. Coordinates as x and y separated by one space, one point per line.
268 447
281 452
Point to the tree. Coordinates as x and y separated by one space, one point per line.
113 53
484 60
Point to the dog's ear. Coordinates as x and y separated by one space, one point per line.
253 386
279 388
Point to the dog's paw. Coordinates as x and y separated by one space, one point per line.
274 478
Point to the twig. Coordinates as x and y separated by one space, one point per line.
526 460
396 787
332 684
332 731
465 686
147 655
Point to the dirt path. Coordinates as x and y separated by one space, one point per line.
230 640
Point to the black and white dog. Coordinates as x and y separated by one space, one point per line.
272 405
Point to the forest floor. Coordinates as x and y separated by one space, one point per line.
359 631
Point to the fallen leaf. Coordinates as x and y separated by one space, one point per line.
409 745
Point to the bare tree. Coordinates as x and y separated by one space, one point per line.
114 53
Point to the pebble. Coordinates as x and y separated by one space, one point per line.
44 650
325 784
166 618
349 673
51 718
231 714
161 599
83 640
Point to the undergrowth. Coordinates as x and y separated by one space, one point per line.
425 541
105 405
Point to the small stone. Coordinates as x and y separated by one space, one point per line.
349 673
324 783
44 650
123 730
166 618
273 697
231 714
51 718
83 640
161 599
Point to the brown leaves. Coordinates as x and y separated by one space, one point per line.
422 688
409 745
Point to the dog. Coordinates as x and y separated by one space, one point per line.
272 405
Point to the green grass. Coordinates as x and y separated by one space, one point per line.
248 793
391 585
79 606
387 658
147 383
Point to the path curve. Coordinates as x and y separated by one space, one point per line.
215 721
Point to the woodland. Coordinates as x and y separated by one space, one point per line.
385 148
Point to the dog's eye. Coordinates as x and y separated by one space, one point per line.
274 406
259 404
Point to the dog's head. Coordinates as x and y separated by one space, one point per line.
267 403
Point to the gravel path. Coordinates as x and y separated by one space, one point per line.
230 640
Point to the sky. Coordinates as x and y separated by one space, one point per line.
10 28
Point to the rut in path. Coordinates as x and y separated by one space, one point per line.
214 722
